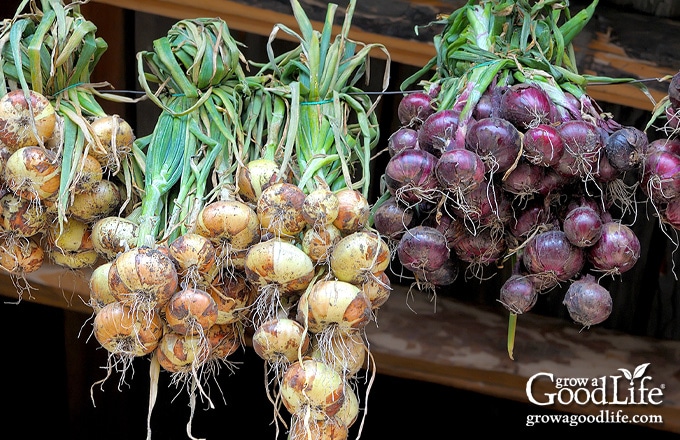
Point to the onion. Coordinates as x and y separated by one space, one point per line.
99 202
90 173
518 294
459 171
75 235
318 243
414 108
524 181
330 428
410 176
280 341
314 387
143 278
496 141
625 148
423 248
33 173
281 263
353 211
126 332
333 305
444 276
533 215
551 258
112 235
588 303
583 226
195 258
359 256
320 207
349 411
377 289
391 218
661 176
22 217
73 259
526 105
191 311
280 209
617 250
479 249
99 290
671 145
182 354
403 139
255 176
345 352
223 339
582 147
233 295
25 122
436 131
115 137
20 256
543 145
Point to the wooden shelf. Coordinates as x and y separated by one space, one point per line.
463 345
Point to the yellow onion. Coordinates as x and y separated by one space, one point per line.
73 259
377 288
112 235
124 331
345 352
280 263
115 137
279 209
26 122
311 385
231 225
256 175
353 211
179 353
302 428
143 277
20 256
320 207
98 202
74 235
195 257
318 242
280 340
233 295
224 340
100 292
359 256
191 311
22 217
90 173
333 303
33 173
349 411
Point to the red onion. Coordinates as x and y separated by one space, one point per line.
391 219
671 145
671 213
525 180
552 258
588 303
496 141
414 108
674 90
543 145
532 215
617 250
402 139
518 294
410 176
438 128
481 248
444 276
625 148
582 145
661 176
460 171
552 182
478 204
422 248
673 117
526 105
582 226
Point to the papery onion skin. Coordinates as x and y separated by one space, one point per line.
99 292
334 303
33 173
543 145
115 141
121 330
410 176
99 202
279 263
518 294
318 243
195 257
588 303
403 139
223 339
423 248
179 353
280 340
280 209
460 170
625 148
525 105
233 295
437 130
191 311
358 256
583 226
320 207
22 217
377 289
314 386
255 176
496 141
552 257
21 256
391 218
353 211
19 117
112 235
617 250
231 225
414 108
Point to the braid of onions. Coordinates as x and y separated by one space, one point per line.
318 262
62 155
503 157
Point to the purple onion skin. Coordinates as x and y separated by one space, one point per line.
496 141
481 248
582 226
525 180
617 250
518 294
673 117
665 144
422 248
587 302
414 108
403 138
460 170
674 90
582 147
670 213
625 148
437 130
532 215
391 219
526 105
410 175
551 255
444 276
543 145
661 176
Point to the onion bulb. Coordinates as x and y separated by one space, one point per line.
182 354
280 341
320 207
377 288
196 259
33 173
318 242
302 428
143 277
358 256
334 305
96 203
280 211
26 122
281 263
112 235
353 211
256 176
75 235
224 340
20 256
345 352
588 303
22 217
90 173
115 137
100 292
233 295
310 385
191 311
121 330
